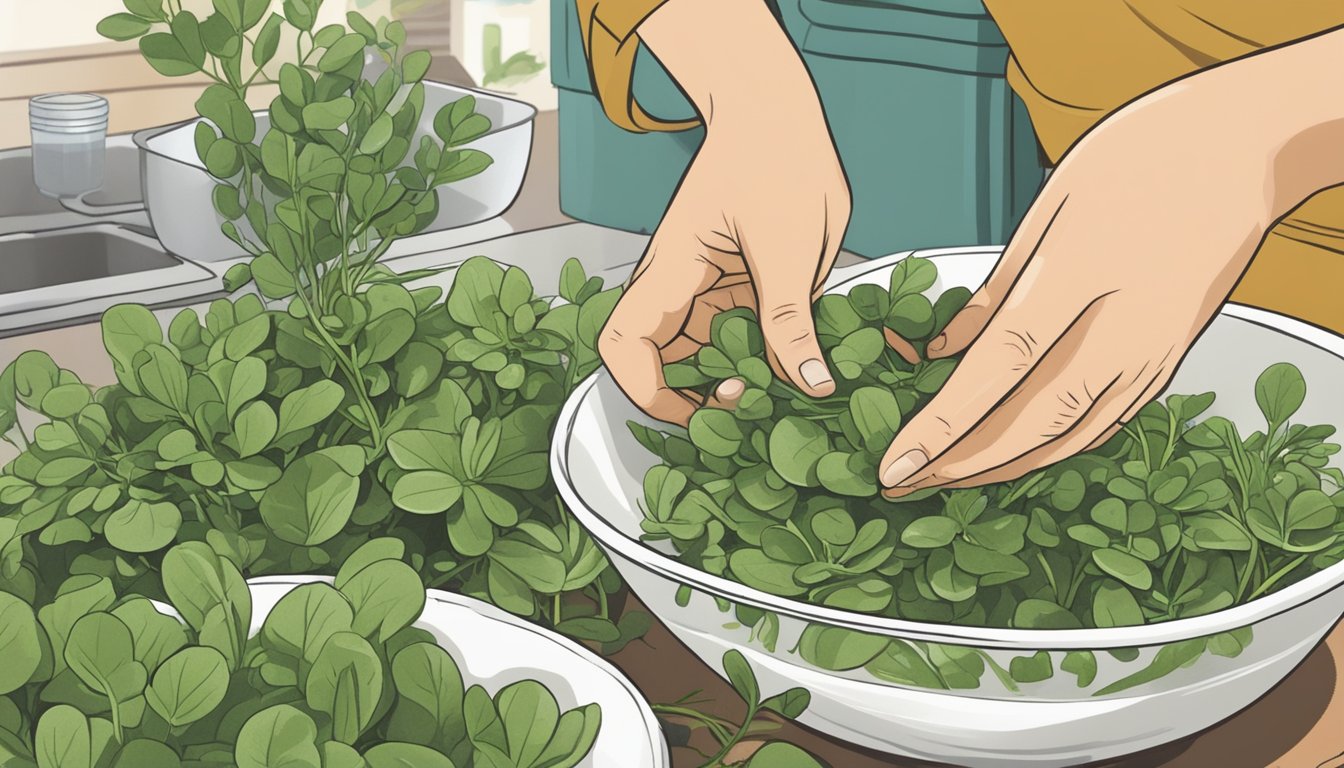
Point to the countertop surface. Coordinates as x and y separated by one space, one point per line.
1300 724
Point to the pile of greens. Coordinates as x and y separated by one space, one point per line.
236 433
337 678
349 404
1174 517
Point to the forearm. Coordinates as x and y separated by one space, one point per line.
732 59
1285 104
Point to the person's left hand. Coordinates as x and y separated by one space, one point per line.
1133 245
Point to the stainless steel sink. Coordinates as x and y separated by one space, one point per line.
25 209
60 276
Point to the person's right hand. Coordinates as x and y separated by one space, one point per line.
756 222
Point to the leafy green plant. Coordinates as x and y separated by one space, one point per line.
790 704
354 405
337 676
232 432
1174 517
499 71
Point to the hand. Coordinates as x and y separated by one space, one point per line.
756 222
1133 245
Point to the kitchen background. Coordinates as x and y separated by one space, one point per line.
504 45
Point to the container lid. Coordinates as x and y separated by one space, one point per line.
62 107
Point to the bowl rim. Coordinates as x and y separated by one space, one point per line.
1246 614
145 138
658 750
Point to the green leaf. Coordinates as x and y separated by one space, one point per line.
743 679
189 685
340 53
255 427
20 644
387 596
63 739
1279 392
1125 567
198 580
791 703
1168 659
166 55
1031 669
1034 613
221 106
876 415
300 13
141 526
1114 606
715 432
303 620
396 754
530 715
122 26
754 569
346 683
414 66
327 116
796 447
312 501
430 690
780 754
427 492
146 753
911 276
839 649
372 551
309 406
129 329
1082 664
187 32
930 532
154 635
268 41
101 652
278 737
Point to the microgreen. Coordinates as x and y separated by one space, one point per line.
333 678
1174 517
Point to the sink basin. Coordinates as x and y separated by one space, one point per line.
63 275
23 208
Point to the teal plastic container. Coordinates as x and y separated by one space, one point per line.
938 150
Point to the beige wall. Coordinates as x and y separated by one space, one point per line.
34 25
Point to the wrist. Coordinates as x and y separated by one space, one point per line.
734 63
1289 105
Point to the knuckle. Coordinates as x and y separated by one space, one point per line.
1019 346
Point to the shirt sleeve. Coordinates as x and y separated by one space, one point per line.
610 41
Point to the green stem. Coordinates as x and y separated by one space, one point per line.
1049 575
741 733
1267 584
1251 562
715 725
348 368
555 609
1171 437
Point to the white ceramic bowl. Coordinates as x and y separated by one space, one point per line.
599 468
494 649
177 189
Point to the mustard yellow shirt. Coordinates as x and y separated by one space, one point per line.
1072 64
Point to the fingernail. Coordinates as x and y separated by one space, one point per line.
814 373
730 389
902 468
938 343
